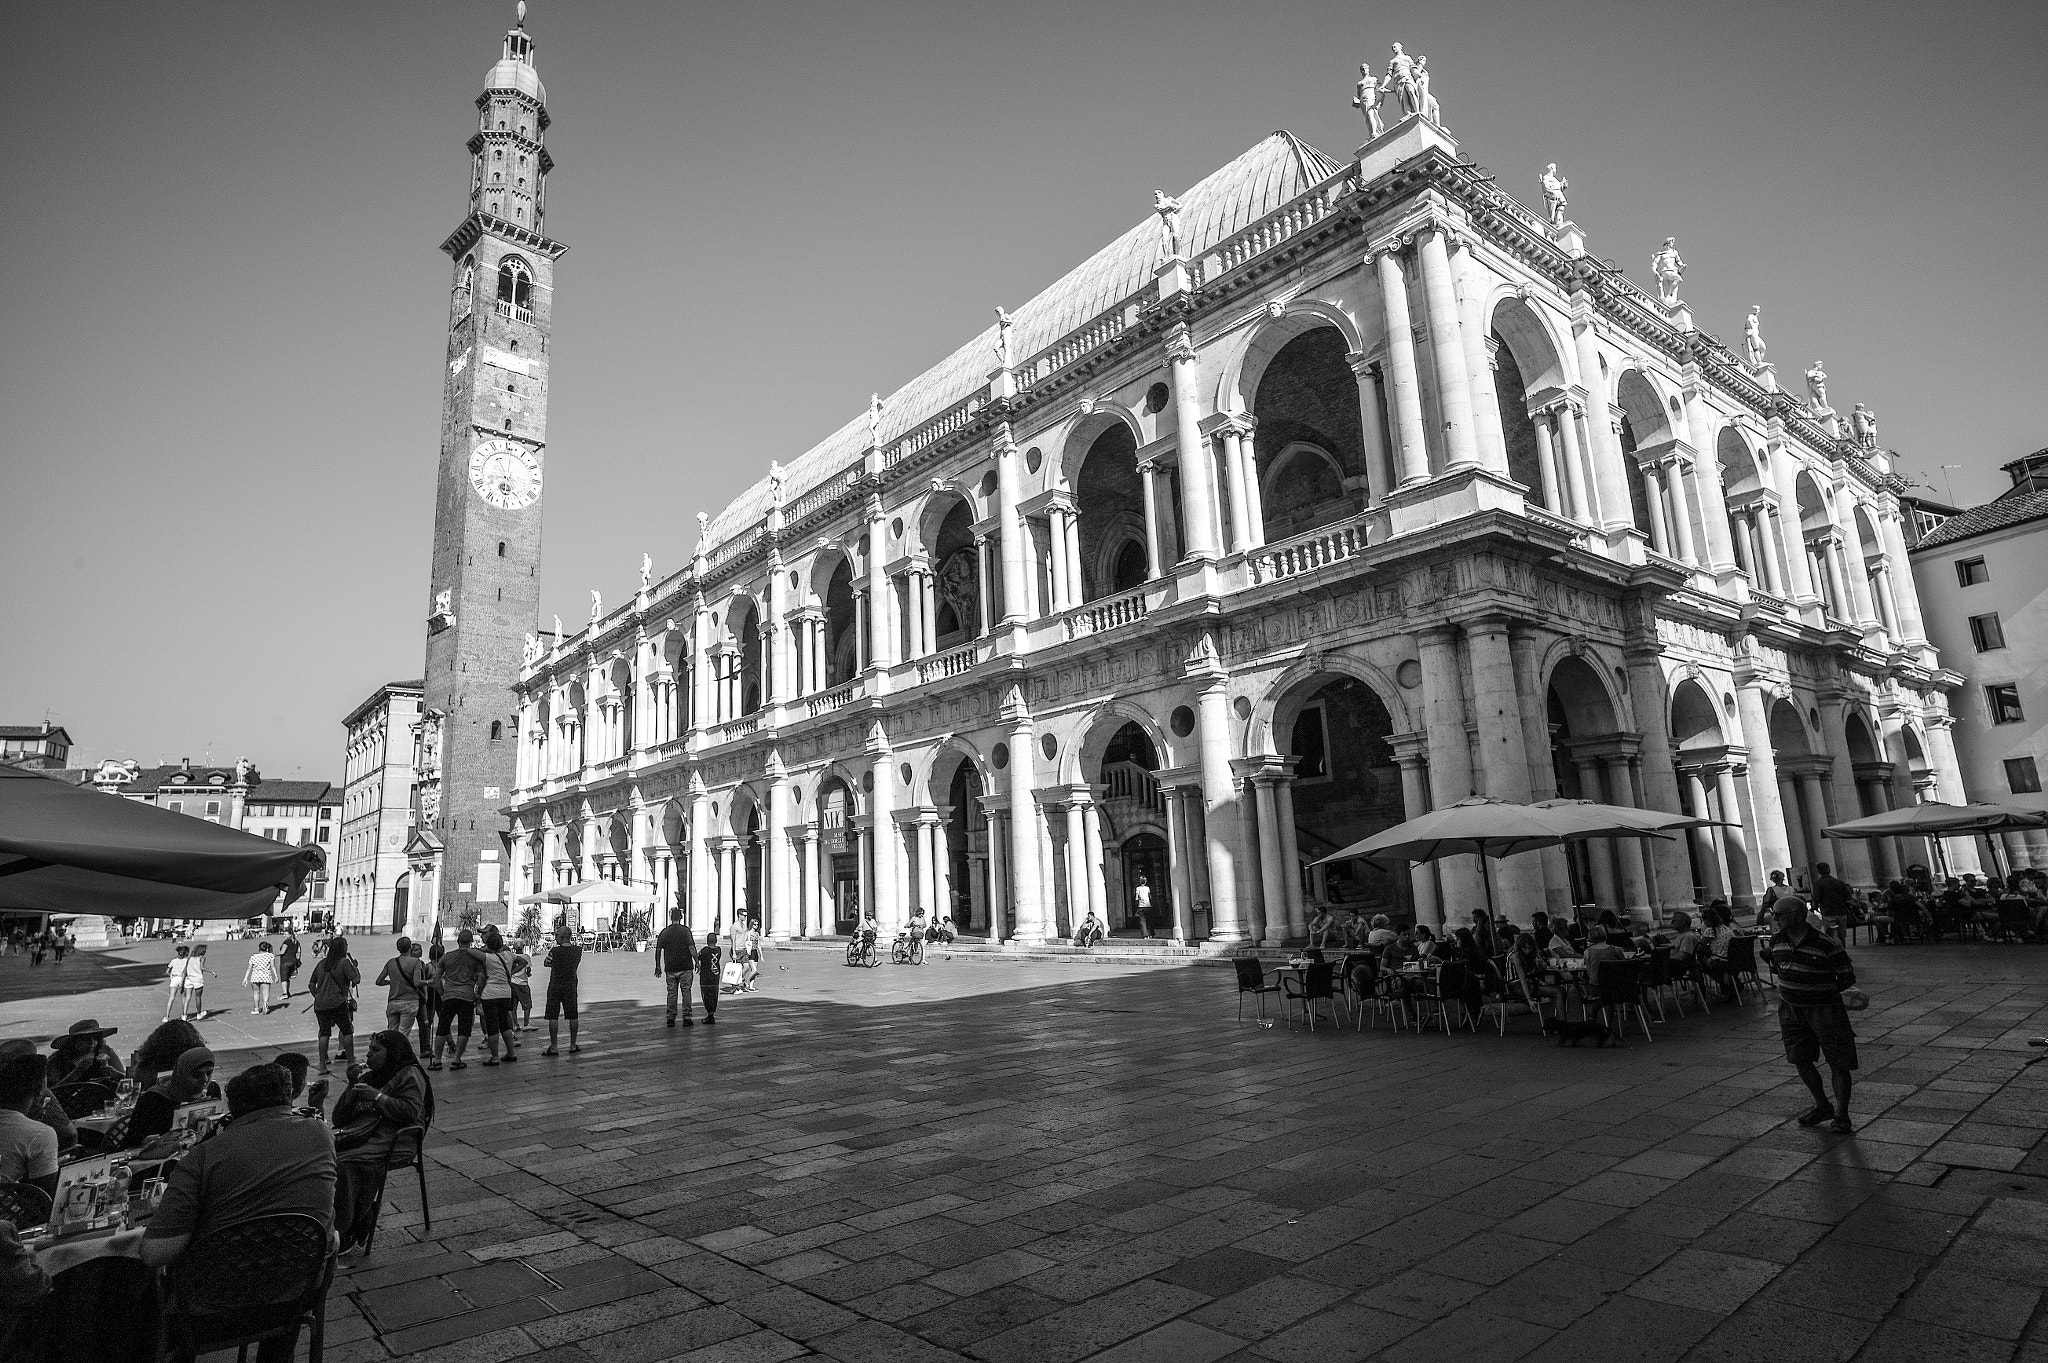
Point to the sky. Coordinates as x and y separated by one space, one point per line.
222 303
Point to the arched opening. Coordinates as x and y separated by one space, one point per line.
1702 746
1310 444
1800 772
1347 786
1817 536
497 730
956 570
1645 431
1133 815
839 855
741 667
842 632
1869 562
515 282
1110 498
618 719
962 883
1589 758
1518 429
746 827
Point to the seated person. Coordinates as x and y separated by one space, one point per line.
387 1094
1560 947
1382 933
941 929
28 1148
1600 947
160 1050
1427 948
190 1081
1686 945
45 1109
1090 932
264 1162
296 1065
82 1056
1319 926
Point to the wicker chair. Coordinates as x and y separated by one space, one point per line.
82 1099
245 1283
26 1205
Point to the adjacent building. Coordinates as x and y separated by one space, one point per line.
373 888
1980 578
36 747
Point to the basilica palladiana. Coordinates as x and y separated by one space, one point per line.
1333 491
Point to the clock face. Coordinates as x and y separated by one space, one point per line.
504 474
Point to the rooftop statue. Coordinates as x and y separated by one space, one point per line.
1367 101
558 629
776 477
646 571
1429 108
1554 186
1168 210
245 771
1401 80
596 605
1002 347
1863 425
875 419
441 606
529 652
1817 384
1668 268
1753 338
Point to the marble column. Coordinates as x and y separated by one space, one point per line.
776 910
1415 802
1503 751
1221 825
1569 421
702 881
1155 531
1734 837
1653 498
1063 594
1178 853
983 604
1447 351
1379 460
1016 551
1906 596
1092 861
1470 288
1631 858
1814 809
812 907
1034 924
1236 479
1450 754
1197 487
881 625
1603 445
1652 706
1713 862
1556 871
1410 447
999 900
1681 512
1272 871
1839 604
1290 855
1603 857
1771 529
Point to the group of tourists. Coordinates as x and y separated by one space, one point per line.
34 943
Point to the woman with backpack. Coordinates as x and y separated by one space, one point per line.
333 984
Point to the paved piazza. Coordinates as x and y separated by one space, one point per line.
1037 1163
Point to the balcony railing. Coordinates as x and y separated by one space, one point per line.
514 311
733 730
1305 553
825 702
1129 781
950 664
1124 610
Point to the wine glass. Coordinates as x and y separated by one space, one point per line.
124 1092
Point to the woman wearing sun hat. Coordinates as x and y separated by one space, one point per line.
82 1056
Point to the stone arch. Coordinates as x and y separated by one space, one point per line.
1740 471
1109 498
1335 728
1245 365
1580 697
1789 736
1528 371
1859 739
1816 508
1098 727
1080 436
1305 398
1645 434
1696 721
1276 710
947 536
826 557
1528 341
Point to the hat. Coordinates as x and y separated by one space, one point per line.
90 1027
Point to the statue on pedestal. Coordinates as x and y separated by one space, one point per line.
441 606
1863 426
558 631
646 571
1753 338
1401 80
1002 346
874 434
1367 101
1425 101
245 771
596 605
1168 210
1817 385
1554 186
529 651
776 477
1668 269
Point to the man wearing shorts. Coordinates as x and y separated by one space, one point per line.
1813 970
402 975
461 978
563 958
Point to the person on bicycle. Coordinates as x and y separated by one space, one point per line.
870 929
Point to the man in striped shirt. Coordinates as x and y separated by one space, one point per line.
1813 970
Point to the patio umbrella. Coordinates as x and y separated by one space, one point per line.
1933 819
1591 819
71 849
598 892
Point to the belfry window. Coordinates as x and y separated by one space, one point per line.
515 283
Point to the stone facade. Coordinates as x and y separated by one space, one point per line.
1340 491
485 591
373 888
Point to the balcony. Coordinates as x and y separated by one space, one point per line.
1305 553
844 694
514 312
1124 610
945 665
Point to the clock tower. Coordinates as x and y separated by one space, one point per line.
485 594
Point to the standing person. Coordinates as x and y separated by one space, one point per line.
496 996
562 960
1141 895
195 980
403 978
288 960
707 977
746 949
38 947
175 980
675 960
1813 973
430 998
61 944
333 983
460 977
522 985
1831 895
260 976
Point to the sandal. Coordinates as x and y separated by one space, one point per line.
490 1062
458 1064
1817 1116
433 1064
574 1048
551 1051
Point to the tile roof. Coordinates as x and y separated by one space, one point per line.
2002 514
293 792
33 731
1277 170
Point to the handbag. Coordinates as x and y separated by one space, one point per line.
730 977
1855 1000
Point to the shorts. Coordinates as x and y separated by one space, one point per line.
1812 1031
498 1016
457 1011
561 1003
332 1020
399 1017
522 997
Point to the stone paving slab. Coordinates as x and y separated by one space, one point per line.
1082 1167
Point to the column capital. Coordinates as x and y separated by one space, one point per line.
1180 344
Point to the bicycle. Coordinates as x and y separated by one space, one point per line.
908 949
861 951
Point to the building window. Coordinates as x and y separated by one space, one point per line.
2022 777
1971 572
212 808
497 730
1985 632
1311 745
177 806
2004 703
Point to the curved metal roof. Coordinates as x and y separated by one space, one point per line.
512 74
1277 170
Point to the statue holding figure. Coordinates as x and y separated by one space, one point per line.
1753 338
1168 210
1002 345
1668 269
1401 80
1863 425
245 771
1554 186
1817 385
1425 101
646 571
1367 101
441 604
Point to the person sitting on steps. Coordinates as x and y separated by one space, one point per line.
1090 932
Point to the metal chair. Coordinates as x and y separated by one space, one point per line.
1441 989
408 1151
1317 982
1742 966
26 1205
1619 988
82 1099
1251 979
249 1282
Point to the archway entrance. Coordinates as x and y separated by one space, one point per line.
966 851
1133 815
1310 443
838 856
1592 761
401 903
1347 786
1144 862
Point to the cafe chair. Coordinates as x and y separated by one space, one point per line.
1441 989
246 1283
2015 924
1251 979
26 1205
114 1137
1618 990
1742 967
82 1099
408 1151
1319 981
1659 978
